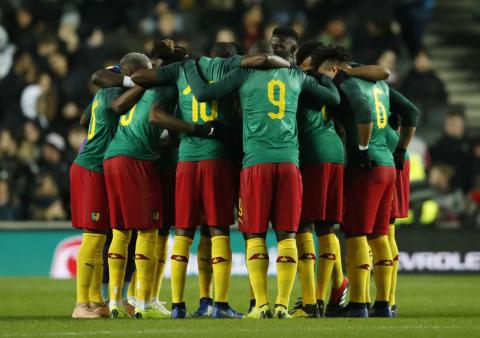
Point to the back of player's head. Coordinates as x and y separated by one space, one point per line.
330 56
306 49
134 61
284 42
163 49
285 32
179 54
261 47
223 50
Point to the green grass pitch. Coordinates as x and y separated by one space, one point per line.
430 306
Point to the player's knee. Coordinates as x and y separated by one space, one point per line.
185 232
282 235
374 236
305 227
323 228
248 236
219 231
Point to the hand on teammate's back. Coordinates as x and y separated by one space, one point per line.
399 158
364 160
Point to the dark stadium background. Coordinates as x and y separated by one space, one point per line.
50 48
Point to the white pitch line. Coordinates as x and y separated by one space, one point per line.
196 330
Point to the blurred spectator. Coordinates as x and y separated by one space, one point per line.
47 201
29 151
225 35
252 26
75 138
336 33
388 59
12 169
454 148
7 50
9 208
422 85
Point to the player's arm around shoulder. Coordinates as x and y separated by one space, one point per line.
122 103
161 76
322 90
204 91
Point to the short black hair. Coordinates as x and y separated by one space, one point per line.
224 49
455 110
333 53
179 54
261 47
306 49
285 31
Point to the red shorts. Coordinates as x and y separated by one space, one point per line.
401 192
322 192
167 178
270 191
368 200
134 193
88 200
205 193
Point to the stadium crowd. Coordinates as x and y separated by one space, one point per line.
49 49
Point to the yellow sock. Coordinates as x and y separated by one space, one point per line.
161 253
86 263
306 266
205 270
131 286
222 266
326 262
117 263
257 265
358 267
367 289
394 249
145 262
95 292
337 273
286 270
179 262
382 267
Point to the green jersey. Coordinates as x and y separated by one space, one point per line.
136 137
269 100
318 139
392 140
101 129
365 102
191 110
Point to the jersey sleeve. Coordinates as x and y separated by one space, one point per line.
232 63
168 75
407 110
88 111
358 102
110 94
203 91
323 95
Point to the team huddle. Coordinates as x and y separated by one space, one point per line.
299 137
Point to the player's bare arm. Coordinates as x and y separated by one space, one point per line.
127 100
369 72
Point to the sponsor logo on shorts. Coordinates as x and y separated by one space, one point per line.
95 216
156 215
285 259
308 256
220 259
113 255
329 256
141 257
179 258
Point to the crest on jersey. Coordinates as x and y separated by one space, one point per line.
95 216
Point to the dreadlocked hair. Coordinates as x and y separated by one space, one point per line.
163 49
